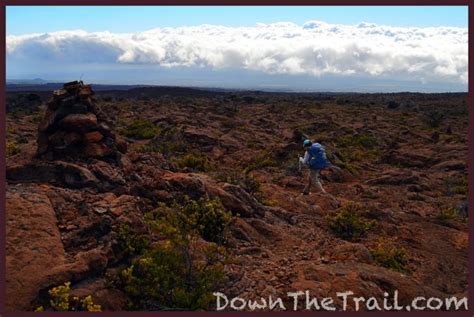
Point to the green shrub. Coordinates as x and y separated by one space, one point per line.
167 279
364 141
268 202
446 214
196 162
347 224
140 129
36 118
166 147
435 118
206 218
262 161
181 272
130 242
12 148
60 300
247 182
251 185
456 185
391 257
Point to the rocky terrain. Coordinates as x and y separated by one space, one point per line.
399 220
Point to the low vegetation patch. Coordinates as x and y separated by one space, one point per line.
435 118
364 141
61 300
131 242
197 162
456 185
181 271
391 257
447 214
12 148
262 161
140 129
247 182
348 224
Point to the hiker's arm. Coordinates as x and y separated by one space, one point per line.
305 159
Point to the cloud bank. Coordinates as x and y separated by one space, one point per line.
316 48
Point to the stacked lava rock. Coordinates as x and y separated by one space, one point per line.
73 126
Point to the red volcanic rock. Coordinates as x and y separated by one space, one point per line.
79 122
33 244
94 136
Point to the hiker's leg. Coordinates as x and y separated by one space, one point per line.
317 182
308 184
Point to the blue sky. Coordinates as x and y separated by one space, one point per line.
32 19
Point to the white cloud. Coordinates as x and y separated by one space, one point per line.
315 48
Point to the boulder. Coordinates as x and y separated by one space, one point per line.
33 245
241 201
57 173
107 173
366 281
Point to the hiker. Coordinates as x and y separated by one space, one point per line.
315 159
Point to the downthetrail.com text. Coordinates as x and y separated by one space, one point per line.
342 301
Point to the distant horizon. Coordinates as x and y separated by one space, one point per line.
40 81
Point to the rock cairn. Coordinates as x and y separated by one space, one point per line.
73 126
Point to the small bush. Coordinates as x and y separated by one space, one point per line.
167 279
455 185
363 141
196 162
36 118
130 242
347 224
269 202
140 129
60 300
392 104
259 162
250 184
447 214
207 218
435 118
391 257
12 148
179 273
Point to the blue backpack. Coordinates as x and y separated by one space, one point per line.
317 157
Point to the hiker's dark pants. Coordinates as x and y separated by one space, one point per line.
313 179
